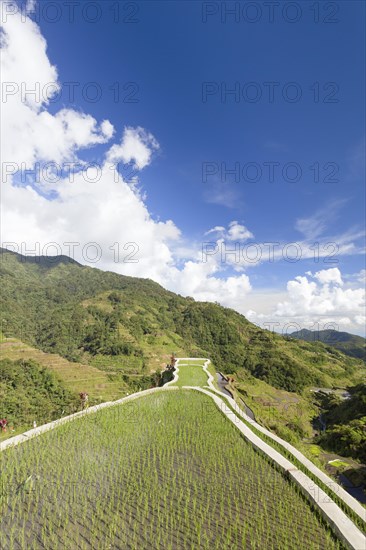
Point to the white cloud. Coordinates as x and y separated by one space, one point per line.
197 279
110 212
217 229
106 211
107 129
253 253
29 82
321 298
238 232
361 276
235 232
31 6
316 301
315 225
332 275
360 320
137 145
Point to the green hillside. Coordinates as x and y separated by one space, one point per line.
76 377
350 344
118 323
109 335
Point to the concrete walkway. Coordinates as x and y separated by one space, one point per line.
343 526
26 436
345 529
324 478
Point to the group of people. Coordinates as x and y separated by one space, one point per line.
84 398
4 426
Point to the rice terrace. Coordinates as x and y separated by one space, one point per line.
182 276
165 468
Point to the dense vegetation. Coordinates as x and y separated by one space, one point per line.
30 392
117 322
346 423
165 471
350 344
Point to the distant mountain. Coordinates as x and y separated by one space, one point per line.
350 344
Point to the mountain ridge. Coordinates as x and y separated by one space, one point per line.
85 313
350 344
127 328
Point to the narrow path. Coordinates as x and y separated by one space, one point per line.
321 476
335 487
345 529
222 382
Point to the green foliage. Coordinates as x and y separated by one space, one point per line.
347 439
30 392
346 423
282 373
115 298
80 313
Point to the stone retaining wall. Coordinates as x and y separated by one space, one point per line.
345 529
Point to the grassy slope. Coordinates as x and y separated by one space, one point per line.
68 308
31 392
75 376
168 471
64 308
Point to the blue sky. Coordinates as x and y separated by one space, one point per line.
170 52
176 60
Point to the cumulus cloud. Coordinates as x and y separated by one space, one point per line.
29 83
327 276
96 217
102 220
200 280
321 296
238 232
316 301
102 209
137 146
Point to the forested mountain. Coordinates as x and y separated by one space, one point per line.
350 344
113 334
110 320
